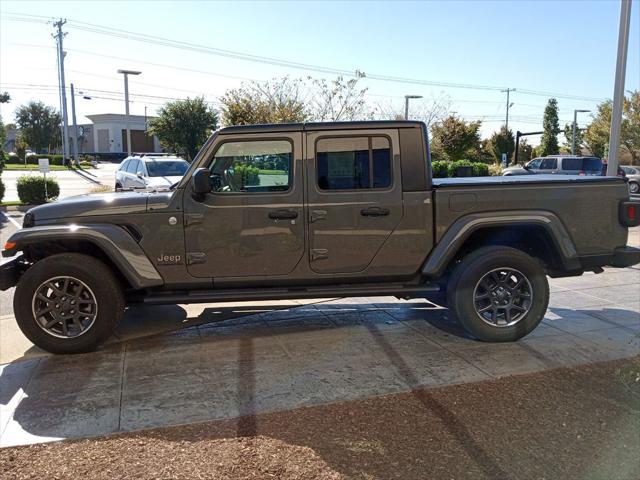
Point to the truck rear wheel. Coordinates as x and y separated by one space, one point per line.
498 294
68 303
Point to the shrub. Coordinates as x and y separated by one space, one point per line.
440 169
1 190
495 169
245 175
31 189
53 159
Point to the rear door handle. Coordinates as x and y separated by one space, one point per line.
283 215
374 212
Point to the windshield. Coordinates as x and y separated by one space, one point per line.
167 168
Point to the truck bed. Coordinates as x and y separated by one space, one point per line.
522 179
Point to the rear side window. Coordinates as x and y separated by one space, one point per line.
353 163
592 164
571 164
549 164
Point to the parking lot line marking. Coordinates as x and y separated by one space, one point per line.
12 220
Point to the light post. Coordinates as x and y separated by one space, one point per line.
126 74
575 128
406 104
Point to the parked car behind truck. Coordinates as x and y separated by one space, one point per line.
315 210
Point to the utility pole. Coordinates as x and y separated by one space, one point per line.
126 74
509 105
74 142
618 89
59 36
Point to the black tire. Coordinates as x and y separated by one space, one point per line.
118 187
103 287
465 282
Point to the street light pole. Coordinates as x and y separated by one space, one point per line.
506 121
575 128
75 126
406 104
618 89
126 103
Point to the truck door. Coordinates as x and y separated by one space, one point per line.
251 224
354 197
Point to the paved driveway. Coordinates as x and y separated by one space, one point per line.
224 361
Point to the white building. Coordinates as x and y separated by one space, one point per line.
108 134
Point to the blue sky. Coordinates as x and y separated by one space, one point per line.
546 46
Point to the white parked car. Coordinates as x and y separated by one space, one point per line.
150 171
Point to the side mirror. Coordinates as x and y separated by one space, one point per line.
139 174
526 166
201 182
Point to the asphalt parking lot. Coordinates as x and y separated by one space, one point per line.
173 365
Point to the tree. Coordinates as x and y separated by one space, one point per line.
5 97
430 110
525 151
502 142
456 138
39 126
277 101
337 100
184 125
549 140
568 135
596 136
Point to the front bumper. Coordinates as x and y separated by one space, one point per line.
625 257
10 270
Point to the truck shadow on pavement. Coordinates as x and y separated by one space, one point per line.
237 362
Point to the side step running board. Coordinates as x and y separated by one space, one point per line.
342 291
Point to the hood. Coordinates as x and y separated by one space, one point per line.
162 181
516 169
92 204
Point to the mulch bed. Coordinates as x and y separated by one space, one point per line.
570 423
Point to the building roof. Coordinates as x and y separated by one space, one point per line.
117 117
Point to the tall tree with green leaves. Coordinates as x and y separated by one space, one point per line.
502 142
525 151
39 126
596 137
456 138
183 126
550 126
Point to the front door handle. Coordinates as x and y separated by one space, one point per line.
374 212
283 215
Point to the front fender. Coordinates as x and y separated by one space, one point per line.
113 240
461 230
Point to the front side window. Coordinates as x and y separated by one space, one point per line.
535 163
353 163
252 166
132 167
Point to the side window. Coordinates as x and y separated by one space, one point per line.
571 164
535 163
125 164
548 163
353 163
252 166
132 167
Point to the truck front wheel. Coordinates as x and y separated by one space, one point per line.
498 294
68 303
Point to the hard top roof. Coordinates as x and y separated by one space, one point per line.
313 126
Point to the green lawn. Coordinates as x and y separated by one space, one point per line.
13 203
272 172
31 167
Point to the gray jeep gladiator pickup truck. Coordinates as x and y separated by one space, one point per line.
313 211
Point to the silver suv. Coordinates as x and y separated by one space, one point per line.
559 164
150 171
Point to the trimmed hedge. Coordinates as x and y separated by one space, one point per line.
1 190
31 189
444 169
53 159
246 175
